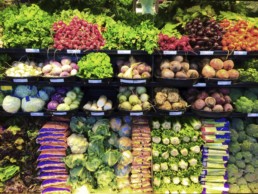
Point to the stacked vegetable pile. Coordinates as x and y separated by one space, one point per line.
135 70
64 69
133 99
204 34
18 154
141 151
249 71
173 43
102 104
24 69
213 100
65 99
216 135
78 34
53 143
178 68
95 66
245 100
169 99
176 151
28 98
243 159
220 69
95 162
27 27
240 35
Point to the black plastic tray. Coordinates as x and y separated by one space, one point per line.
126 81
170 112
98 113
59 79
22 79
207 114
180 82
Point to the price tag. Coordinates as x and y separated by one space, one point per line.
59 113
20 80
206 52
169 52
124 52
175 113
32 50
200 85
6 88
37 114
57 80
224 83
73 51
139 81
127 81
240 52
136 113
92 81
97 113
252 115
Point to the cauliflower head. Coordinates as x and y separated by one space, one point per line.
78 143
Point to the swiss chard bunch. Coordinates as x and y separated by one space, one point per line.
95 66
29 27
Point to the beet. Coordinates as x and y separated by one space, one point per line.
218 108
228 107
210 102
199 104
202 95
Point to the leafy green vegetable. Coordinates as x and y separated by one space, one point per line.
105 177
81 125
111 157
93 164
27 27
74 160
8 172
244 105
95 66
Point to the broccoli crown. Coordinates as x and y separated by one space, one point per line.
233 135
231 159
255 107
252 130
253 186
249 168
250 95
241 181
255 162
240 164
235 94
247 157
254 149
232 170
234 147
233 188
238 124
244 189
244 105
241 136
250 177
246 145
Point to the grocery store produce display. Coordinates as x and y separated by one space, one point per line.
105 100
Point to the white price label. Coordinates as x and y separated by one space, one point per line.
175 113
59 113
20 80
252 115
57 80
127 81
139 81
169 52
136 113
37 114
240 52
97 113
206 52
69 51
124 52
224 83
92 81
32 50
200 85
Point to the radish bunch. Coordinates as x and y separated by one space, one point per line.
78 34
172 43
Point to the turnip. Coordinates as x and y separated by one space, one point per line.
144 97
64 74
66 68
67 100
71 95
140 90
74 72
74 66
167 73
101 101
66 61
56 71
88 105
52 105
55 64
133 99
73 106
47 69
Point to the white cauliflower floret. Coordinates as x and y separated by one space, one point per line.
77 143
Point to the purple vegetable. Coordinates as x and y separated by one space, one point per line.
64 74
50 140
66 61
74 66
54 148
52 175
52 105
44 156
61 90
56 97
49 135
55 189
51 130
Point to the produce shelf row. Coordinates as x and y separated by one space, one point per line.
121 113
117 83
128 52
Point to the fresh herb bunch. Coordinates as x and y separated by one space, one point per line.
95 66
29 27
